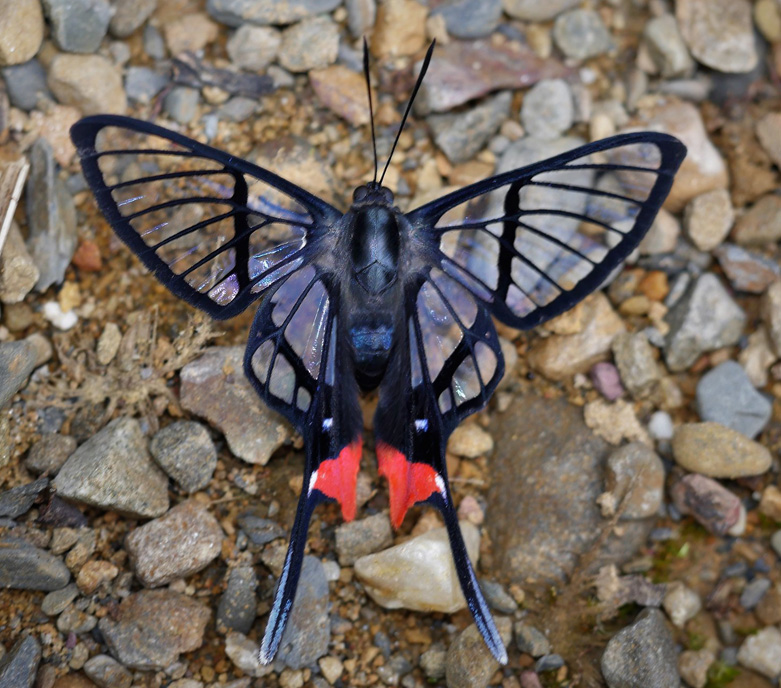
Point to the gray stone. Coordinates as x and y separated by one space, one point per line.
254 47
73 620
181 103
49 453
51 217
238 109
78 26
154 43
462 136
642 655
18 667
747 271
113 470
308 630
359 538
634 478
705 318
469 18
238 604
185 451
634 357
25 567
361 15
57 601
214 386
775 542
548 110
498 598
129 15
142 83
17 362
432 661
185 540
153 627
665 44
580 34
19 500
530 640
725 395
260 530
310 44
25 84
536 11
237 12
107 672
753 593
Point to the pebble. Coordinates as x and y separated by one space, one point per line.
757 357
107 672
20 499
775 542
754 592
74 620
400 28
708 218
237 109
89 82
726 395
581 34
18 272
94 573
181 103
58 601
470 441
185 451
634 477
17 361
311 44
548 663
770 504
52 233
17 46
113 470
660 426
760 224
705 318
663 235
154 45
709 502
153 627
142 84
461 136
25 567
260 530
308 631
19 666
761 652
718 451
418 574
433 662
747 271
189 33
681 603
615 422
361 15
342 90
693 666
468 662
606 380
214 386
536 11
359 538
634 358
529 679
185 540
644 651
253 47
332 669
78 26
530 640
664 42
237 608
25 83
548 109
469 18
244 653
618 590
770 311
237 12
130 15
767 129
719 33
62 320
498 598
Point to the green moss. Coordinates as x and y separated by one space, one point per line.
720 675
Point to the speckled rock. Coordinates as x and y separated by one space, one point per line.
17 361
78 26
634 477
21 30
153 627
25 567
665 44
760 224
634 357
470 441
708 219
615 422
400 28
468 662
365 536
18 272
49 453
711 504
419 573
746 270
89 82
19 665
548 109
107 672
19 500
113 470
183 541
718 451
254 47
237 12
681 603
310 44
237 607
581 34
130 15
185 451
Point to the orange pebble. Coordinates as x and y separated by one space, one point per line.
87 257
654 285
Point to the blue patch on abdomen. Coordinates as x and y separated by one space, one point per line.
372 339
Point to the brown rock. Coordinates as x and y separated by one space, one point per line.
760 224
93 573
343 91
87 257
192 32
21 30
400 28
718 451
708 219
769 134
89 82
770 504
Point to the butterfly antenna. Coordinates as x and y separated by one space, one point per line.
424 67
371 109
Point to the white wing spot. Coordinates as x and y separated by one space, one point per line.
327 423
421 425
312 481
441 485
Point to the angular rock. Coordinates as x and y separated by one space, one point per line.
747 270
25 567
681 603
548 109
214 387
238 605
343 91
642 654
762 652
17 361
665 44
185 451
142 84
718 451
760 224
153 627
469 18
634 477
581 34
618 590
49 453
711 504
89 82
18 272
130 15
704 319
725 395
185 540
19 500
359 538
693 666
181 103
615 422
21 30
635 361
237 12
260 531
107 672
113 470
254 47
18 667
418 574
78 26
310 44
530 640
245 655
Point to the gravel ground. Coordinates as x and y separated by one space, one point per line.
621 492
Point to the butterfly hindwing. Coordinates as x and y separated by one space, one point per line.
533 242
215 229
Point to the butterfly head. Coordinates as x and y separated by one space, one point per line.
372 193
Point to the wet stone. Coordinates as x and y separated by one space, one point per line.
153 627
718 451
530 640
760 224
469 18
113 470
762 652
185 540
359 538
130 15
726 395
747 270
548 109
89 82
581 34
214 386
49 453
254 47
25 84
78 26
310 44
25 567
18 667
185 451
634 478
17 47
237 607
468 662
709 502
237 12
107 672
19 500
642 654
666 46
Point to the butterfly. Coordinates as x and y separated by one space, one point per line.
374 298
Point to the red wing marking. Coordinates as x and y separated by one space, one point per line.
338 478
408 482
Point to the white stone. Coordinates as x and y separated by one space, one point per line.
762 652
681 604
62 321
660 426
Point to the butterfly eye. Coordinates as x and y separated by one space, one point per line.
360 194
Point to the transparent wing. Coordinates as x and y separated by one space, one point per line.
216 230
532 242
